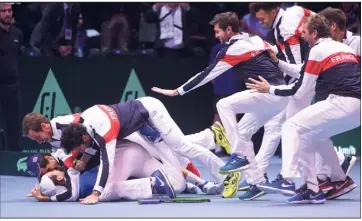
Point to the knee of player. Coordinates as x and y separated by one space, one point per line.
272 129
291 126
222 104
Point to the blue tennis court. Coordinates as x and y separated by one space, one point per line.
15 204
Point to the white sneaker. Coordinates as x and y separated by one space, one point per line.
209 188
191 189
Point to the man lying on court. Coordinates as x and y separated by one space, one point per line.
132 160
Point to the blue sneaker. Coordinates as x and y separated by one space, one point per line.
308 196
244 186
235 164
279 185
253 193
162 184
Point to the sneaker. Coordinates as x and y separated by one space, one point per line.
220 188
235 164
325 185
308 196
210 188
162 184
341 188
279 185
252 193
231 184
301 188
190 189
348 164
220 137
193 169
244 186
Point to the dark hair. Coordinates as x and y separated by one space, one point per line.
335 15
319 24
42 161
266 6
227 19
72 136
33 121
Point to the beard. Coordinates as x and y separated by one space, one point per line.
6 20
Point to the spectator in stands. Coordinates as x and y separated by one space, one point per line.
250 24
81 38
353 13
115 34
172 33
10 47
55 33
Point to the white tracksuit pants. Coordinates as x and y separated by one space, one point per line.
317 123
258 108
133 160
177 141
271 140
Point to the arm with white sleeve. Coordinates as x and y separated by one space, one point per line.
221 64
307 81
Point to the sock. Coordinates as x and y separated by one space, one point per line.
190 177
153 181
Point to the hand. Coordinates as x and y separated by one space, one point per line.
273 55
80 165
32 191
166 92
261 86
91 199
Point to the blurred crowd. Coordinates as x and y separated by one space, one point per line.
112 29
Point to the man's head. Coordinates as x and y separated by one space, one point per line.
47 163
6 13
37 127
314 28
336 20
226 25
40 164
265 12
75 137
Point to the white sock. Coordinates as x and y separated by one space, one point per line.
190 177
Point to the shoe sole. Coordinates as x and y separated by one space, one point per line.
351 164
211 190
168 183
235 170
235 192
307 202
254 197
344 192
276 191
